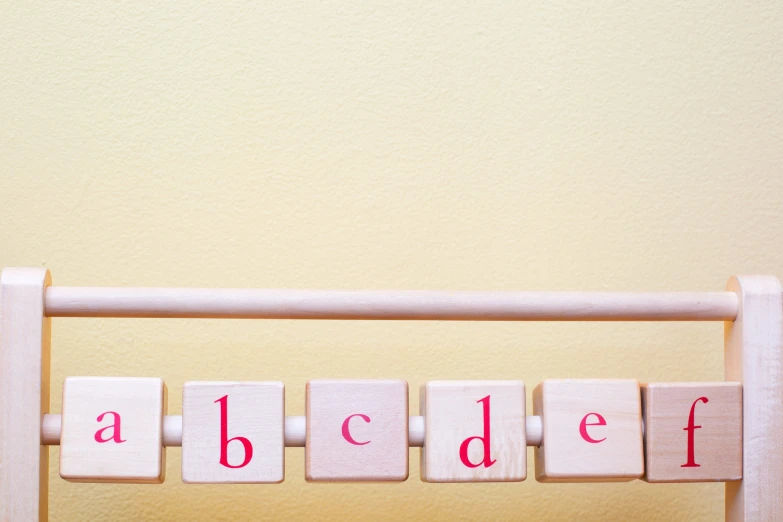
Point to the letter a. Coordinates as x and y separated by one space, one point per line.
224 440
116 426
463 449
691 429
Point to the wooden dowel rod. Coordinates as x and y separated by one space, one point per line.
295 429
372 304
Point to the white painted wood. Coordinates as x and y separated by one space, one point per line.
248 448
295 430
416 427
25 347
592 430
172 430
693 431
534 430
357 430
754 357
50 429
112 430
396 304
454 412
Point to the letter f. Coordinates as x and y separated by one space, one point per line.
691 428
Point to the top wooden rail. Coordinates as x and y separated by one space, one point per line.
64 301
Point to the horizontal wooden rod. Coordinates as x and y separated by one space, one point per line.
295 430
64 301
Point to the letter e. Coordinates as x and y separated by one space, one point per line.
584 424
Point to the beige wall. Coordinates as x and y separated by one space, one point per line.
622 146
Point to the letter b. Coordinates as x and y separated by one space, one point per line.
224 440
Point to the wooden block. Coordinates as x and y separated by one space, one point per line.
693 431
112 430
474 431
357 430
592 430
233 432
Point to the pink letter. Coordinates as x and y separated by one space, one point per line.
463 449
690 429
583 428
347 431
224 440
116 437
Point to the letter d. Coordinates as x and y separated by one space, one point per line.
463 449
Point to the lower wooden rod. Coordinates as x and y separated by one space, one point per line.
295 430
393 304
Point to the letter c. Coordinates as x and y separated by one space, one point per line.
347 431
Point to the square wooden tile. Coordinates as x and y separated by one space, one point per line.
475 431
112 430
357 430
693 431
592 430
233 432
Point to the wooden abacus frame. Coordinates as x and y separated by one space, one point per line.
751 309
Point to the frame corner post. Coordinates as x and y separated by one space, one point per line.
754 356
25 347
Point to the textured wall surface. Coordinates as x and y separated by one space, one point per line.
567 145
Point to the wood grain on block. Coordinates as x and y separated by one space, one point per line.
592 430
475 431
693 431
357 430
112 430
232 432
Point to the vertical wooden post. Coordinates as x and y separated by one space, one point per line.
754 357
25 342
